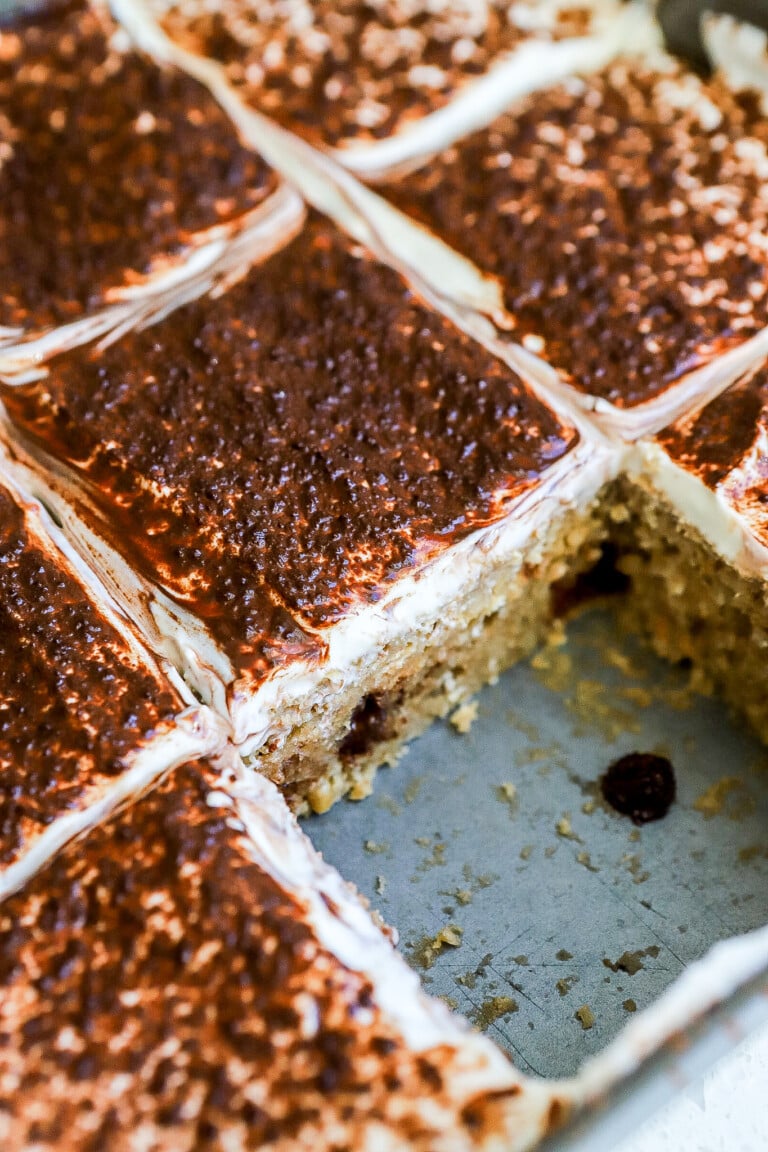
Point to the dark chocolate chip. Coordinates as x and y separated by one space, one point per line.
640 785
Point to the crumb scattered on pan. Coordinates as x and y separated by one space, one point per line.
545 755
631 962
753 852
426 950
374 848
493 1009
564 986
381 885
563 954
507 794
479 881
594 708
585 1017
436 858
553 668
523 725
451 1002
629 1006
585 860
464 716
634 866
388 804
525 851
412 789
588 807
712 802
564 828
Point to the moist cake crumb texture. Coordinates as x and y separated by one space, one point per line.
333 504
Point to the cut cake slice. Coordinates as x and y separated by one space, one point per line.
624 215
227 989
384 83
87 720
311 492
119 179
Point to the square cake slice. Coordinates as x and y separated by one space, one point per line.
385 83
86 718
624 215
336 513
115 173
229 990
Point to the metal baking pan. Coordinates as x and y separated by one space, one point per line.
560 919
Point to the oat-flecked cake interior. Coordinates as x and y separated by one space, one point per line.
696 603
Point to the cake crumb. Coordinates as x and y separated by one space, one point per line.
381 885
482 880
492 1010
412 789
428 948
585 860
375 848
585 1017
563 954
525 851
553 668
629 1006
464 716
362 787
564 986
507 794
631 962
388 804
753 852
437 857
712 802
564 828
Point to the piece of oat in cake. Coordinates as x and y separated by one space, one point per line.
316 491
86 717
385 82
113 171
228 989
625 216
693 537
